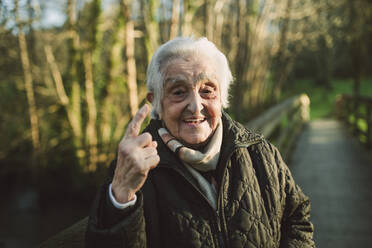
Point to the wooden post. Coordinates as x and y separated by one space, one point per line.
369 123
356 115
349 104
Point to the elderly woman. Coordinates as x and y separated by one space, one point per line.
195 177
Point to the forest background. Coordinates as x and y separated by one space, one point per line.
68 89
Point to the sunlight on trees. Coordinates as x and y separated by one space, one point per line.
76 86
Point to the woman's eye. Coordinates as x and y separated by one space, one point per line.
207 92
178 92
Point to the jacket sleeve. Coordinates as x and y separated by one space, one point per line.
296 228
111 227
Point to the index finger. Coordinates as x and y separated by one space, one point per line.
135 125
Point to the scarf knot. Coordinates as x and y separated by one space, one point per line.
200 160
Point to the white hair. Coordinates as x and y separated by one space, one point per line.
183 47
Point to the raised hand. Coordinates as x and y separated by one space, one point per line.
137 154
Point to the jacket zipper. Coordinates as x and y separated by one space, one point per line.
220 240
222 235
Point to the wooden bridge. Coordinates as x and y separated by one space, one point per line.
329 164
335 171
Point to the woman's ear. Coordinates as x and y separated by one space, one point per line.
150 97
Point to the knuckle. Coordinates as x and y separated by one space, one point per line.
136 157
132 128
157 159
135 125
131 160
132 125
155 152
143 171
147 136
125 150
140 116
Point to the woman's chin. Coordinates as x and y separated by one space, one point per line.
195 143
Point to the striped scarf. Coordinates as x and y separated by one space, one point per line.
196 161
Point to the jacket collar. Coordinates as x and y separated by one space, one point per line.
236 134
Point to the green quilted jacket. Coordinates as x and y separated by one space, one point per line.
259 204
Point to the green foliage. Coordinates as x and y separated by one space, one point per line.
361 126
13 120
100 30
322 99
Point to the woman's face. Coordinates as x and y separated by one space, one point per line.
191 101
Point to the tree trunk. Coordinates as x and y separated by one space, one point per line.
281 58
209 18
151 27
174 25
189 9
219 21
61 93
240 59
258 60
91 49
116 75
91 133
34 119
131 62
356 46
73 78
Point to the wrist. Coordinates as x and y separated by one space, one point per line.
122 196
119 205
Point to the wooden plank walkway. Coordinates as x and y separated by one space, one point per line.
335 171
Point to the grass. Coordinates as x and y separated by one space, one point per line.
322 99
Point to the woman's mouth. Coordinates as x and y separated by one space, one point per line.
194 121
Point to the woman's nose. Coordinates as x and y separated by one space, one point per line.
195 104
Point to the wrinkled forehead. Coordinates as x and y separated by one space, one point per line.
190 68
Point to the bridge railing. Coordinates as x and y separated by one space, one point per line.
356 112
282 123
71 237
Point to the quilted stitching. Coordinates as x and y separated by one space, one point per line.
261 204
